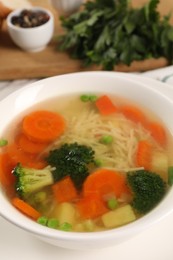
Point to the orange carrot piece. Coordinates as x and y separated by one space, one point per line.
158 132
105 182
25 208
29 146
6 167
91 207
37 164
64 190
18 156
43 126
134 114
144 154
105 106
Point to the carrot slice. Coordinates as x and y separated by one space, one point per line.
104 182
18 156
144 154
64 190
25 208
105 105
6 167
37 164
135 114
91 207
29 146
43 126
158 132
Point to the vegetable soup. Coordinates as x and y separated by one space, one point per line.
86 163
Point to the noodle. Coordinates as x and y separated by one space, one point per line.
88 127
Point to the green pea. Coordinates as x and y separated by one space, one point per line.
66 226
84 98
98 162
3 142
92 98
42 220
112 203
53 223
106 139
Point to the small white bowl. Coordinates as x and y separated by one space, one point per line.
65 7
148 94
31 39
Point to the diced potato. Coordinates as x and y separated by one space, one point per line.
89 225
65 212
118 217
79 227
159 164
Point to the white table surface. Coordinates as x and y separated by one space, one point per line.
156 243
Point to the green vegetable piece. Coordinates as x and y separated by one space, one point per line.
53 223
66 226
3 142
106 139
42 220
29 180
108 32
98 162
148 189
71 160
170 175
85 98
93 98
112 203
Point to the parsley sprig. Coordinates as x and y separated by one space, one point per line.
110 32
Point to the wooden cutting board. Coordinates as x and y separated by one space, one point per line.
17 64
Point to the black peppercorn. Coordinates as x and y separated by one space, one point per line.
30 18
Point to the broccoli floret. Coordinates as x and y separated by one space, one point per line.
148 189
71 160
29 180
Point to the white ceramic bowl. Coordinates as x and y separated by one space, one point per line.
31 39
134 88
65 7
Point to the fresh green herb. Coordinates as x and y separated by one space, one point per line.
110 32
106 139
3 142
170 175
42 220
112 203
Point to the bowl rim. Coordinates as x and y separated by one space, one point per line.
144 222
34 8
